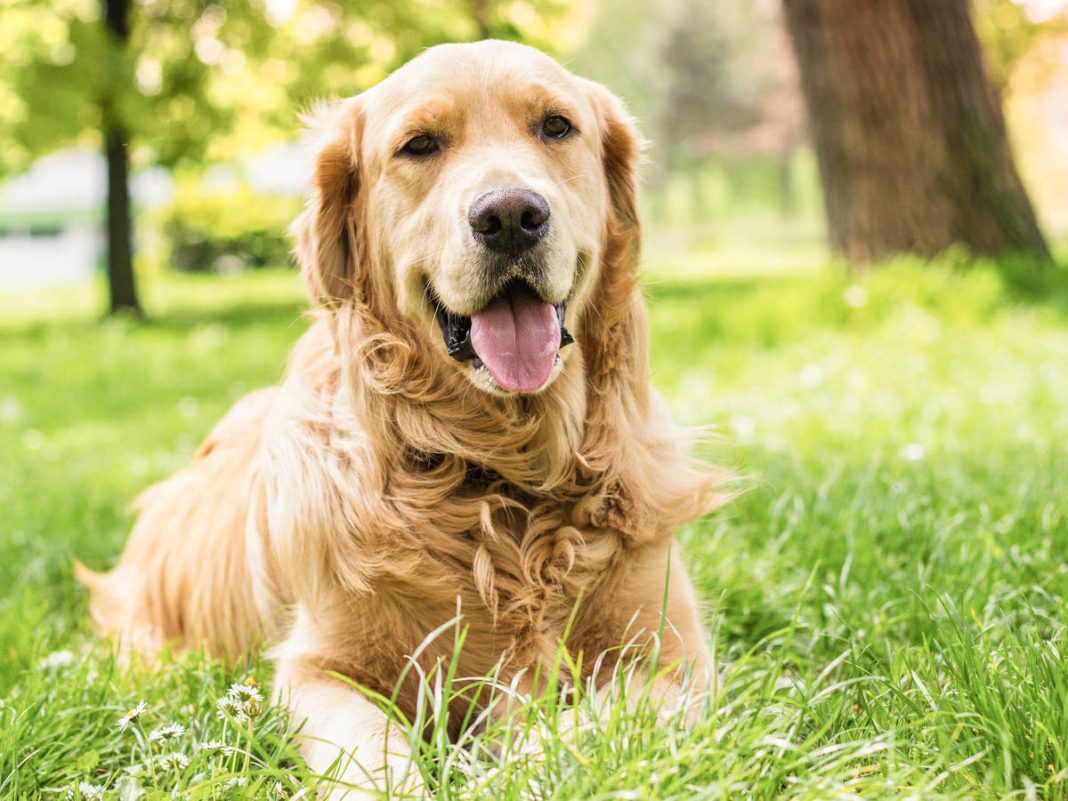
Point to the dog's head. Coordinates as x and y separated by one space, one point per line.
474 193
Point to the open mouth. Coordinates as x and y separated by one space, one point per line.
516 338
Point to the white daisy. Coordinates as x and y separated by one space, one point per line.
173 761
231 709
166 733
86 792
56 659
245 692
133 716
214 746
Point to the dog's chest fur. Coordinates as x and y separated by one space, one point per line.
513 578
407 543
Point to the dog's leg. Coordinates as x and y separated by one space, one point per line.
634 607
345 738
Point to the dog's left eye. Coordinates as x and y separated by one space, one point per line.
556 127
422 145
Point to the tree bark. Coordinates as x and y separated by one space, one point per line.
910 138
480 12
121 285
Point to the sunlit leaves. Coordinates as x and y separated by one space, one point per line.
198 82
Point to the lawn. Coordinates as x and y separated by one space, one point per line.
887 595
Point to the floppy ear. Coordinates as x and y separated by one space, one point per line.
325 232
614 331
621 145
614 339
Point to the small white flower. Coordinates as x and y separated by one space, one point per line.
214 746
231 709
133 716
86 792
913 452
245 692
237 781
56 659
166 733
173 761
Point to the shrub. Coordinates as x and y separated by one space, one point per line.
227 230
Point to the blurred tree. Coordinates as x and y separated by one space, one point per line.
910 137
1010 31
121 284
696 52
184 82
109 73
711 83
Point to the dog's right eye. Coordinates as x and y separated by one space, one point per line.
422 145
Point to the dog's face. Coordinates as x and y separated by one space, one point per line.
483 199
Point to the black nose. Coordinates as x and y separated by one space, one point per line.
510 220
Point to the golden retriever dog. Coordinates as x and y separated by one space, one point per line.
467 425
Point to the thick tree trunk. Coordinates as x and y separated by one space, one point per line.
121 286
910 138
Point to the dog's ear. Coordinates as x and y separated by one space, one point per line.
613 334
614 327
325 233
621 146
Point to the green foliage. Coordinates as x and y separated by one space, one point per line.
887 594
1008 34
226 230
62 68
708 81
204 81
43 86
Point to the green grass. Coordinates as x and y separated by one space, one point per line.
888 596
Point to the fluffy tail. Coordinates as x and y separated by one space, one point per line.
111 609
184 574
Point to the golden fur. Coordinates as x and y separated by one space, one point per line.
342 515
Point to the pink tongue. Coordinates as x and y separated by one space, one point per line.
517 337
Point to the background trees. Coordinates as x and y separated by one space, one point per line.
911 141
134 79
181 82
913 151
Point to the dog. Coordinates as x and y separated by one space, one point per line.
467 424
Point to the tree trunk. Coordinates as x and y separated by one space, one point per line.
480 12
910 138
121 286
